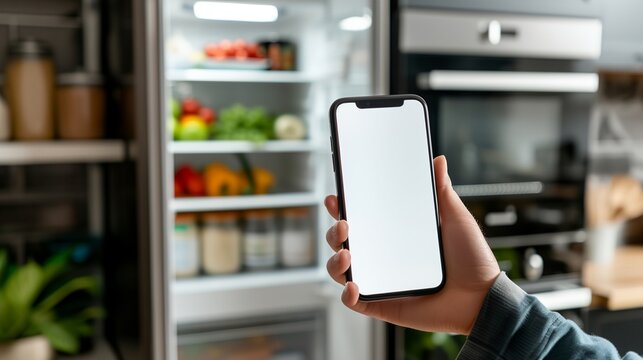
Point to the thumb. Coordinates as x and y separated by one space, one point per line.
451 207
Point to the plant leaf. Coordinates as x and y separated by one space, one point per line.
6 319
59 337
3 263
13 318
56 265
93 312
24 285
87 283
77 326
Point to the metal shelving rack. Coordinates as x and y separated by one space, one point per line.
17 155
61 152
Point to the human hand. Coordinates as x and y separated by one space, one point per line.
470 267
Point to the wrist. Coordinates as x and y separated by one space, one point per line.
477 301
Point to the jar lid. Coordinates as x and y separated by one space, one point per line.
29 48
220 216
260 214
185 217
296 212
80 78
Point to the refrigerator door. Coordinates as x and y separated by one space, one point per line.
158 339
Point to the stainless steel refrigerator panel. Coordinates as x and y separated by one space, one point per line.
158 336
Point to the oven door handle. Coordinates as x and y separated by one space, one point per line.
565 299
506 81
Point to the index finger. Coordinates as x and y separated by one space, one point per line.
332 206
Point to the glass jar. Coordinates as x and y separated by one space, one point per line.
29 88
221 243
281 54
185 246
260 240
297 242
81 106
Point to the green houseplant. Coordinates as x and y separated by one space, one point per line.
31 299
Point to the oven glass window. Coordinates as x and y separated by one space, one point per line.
501 139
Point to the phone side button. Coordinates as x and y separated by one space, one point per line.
333 161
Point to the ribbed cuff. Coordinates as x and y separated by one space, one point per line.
500 331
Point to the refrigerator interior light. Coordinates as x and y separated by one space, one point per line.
356 23
230 11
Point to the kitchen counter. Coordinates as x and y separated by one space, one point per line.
617 285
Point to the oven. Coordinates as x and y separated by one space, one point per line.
509 99
510 96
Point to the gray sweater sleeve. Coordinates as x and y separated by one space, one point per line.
514 325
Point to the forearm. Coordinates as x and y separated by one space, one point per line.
514 325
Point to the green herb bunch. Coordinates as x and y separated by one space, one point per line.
241 123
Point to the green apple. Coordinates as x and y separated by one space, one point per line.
173 127
192 130
176 108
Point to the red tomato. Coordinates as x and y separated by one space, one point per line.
195 186
220 54
208 115
190 106
227 47
242 54
253 50
211 50
239 44
184 173
178 189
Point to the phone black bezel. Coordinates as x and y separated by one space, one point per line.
375 102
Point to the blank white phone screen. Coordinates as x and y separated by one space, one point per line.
389 197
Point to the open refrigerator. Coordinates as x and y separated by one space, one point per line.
310 56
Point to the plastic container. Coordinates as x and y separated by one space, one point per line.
81 106
297 242
29 88
185 246
260 238
221 243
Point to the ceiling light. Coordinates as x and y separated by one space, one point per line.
356 23
228 11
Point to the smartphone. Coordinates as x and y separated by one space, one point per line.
383 163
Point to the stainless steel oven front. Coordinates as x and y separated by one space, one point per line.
510 99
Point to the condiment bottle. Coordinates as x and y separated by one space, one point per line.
260 240
297 242
5 122
81 106
185 246
221 243
29 88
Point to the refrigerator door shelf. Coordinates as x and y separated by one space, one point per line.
247 295
244 202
